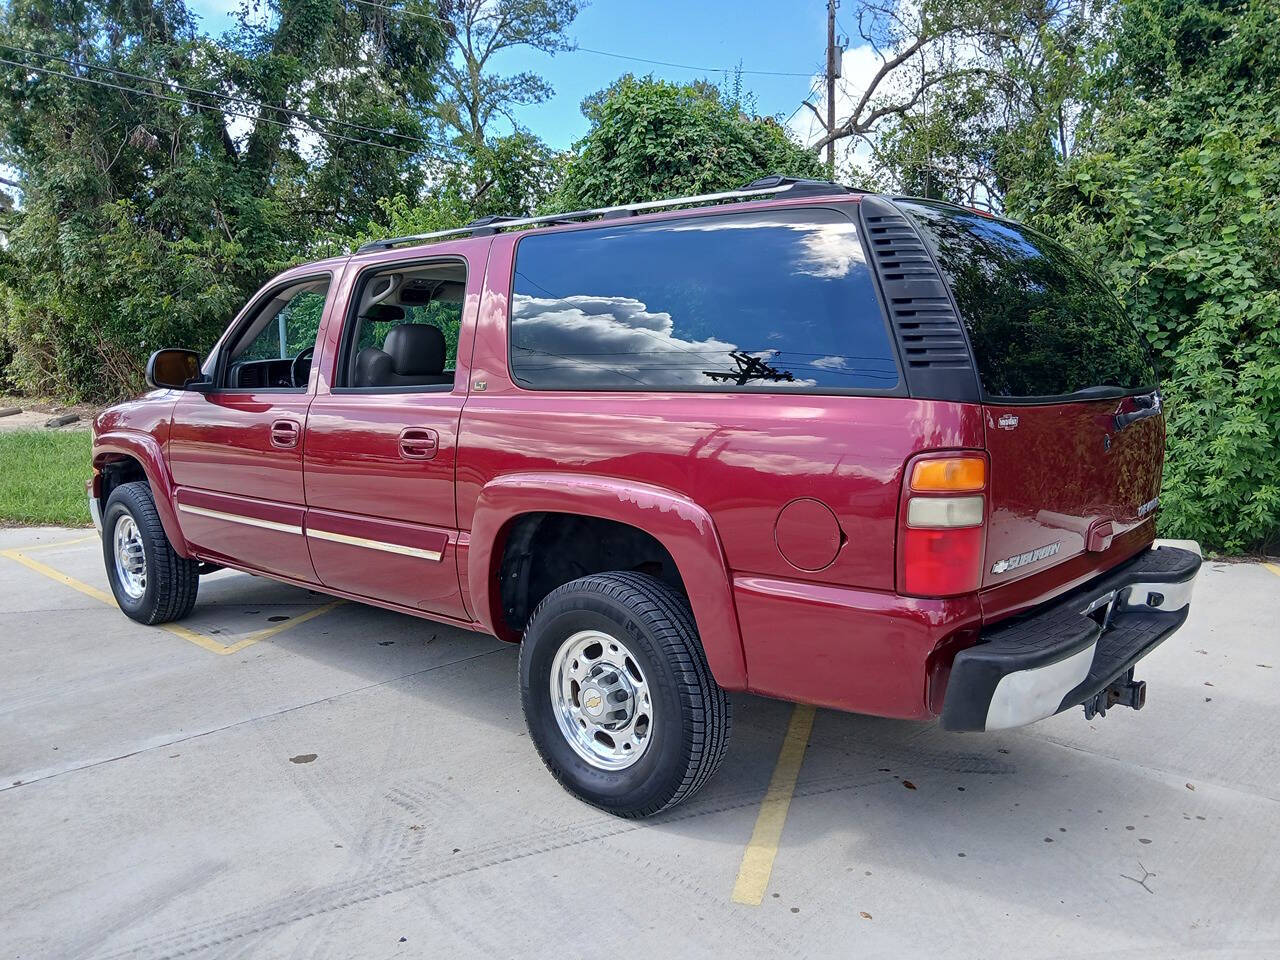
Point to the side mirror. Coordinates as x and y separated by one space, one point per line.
175 370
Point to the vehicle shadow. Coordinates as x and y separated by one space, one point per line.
1012 822
851 760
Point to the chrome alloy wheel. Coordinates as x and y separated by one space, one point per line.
131 560
601 700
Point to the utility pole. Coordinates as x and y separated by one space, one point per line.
833 71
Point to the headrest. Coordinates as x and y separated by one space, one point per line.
384 313
416 349
373 368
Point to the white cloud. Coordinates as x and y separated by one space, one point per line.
583 336
830 363
858 66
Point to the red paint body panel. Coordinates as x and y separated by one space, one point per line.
359 482
219 539
418 582
1020 594
679 524
220 450
1060 472
139 430
707 474
860 650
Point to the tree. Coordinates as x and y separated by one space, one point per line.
919 45
651 139
1174 189
165 174
517 174
479 30
1004 110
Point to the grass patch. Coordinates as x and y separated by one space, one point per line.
42 477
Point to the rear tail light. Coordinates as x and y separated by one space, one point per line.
942 537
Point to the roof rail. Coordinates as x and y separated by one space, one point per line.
487 226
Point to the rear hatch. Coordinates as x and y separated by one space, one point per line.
1071 409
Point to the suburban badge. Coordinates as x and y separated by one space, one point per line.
1022 559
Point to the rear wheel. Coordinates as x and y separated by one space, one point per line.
151 583
618 696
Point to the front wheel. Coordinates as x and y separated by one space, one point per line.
618 696
151 583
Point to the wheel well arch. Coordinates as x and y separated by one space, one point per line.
682 528
115 469
539 551
128 456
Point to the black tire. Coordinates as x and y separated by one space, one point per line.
691 714
171 581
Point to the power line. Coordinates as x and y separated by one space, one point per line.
204 106
403 12
687 66
600 53
802 102
300 114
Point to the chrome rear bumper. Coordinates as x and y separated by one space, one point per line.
1064 653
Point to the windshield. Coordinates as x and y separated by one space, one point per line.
1040 324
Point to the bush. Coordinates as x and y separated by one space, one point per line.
1177 195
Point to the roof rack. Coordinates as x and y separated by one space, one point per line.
487 226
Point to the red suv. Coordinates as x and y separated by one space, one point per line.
878 454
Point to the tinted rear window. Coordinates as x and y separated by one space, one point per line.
1041 325
774 301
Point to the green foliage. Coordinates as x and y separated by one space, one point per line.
147 222
509 176
1176 194
42 477
651 139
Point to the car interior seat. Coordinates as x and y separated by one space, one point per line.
412 355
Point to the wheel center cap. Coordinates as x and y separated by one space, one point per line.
593 701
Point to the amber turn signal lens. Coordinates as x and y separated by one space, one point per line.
952 474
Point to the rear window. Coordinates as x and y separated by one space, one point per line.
1041 325
771 301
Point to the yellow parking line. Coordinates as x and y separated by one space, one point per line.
1273 568
199 639
57 543
271 631
58 575
757 861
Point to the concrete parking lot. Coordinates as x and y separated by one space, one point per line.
287 777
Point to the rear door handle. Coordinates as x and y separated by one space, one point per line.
419 443
284 433
1148 406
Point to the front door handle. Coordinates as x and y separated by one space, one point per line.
285 433
419 443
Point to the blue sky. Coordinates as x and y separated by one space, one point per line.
711 33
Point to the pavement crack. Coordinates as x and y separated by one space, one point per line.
1146 875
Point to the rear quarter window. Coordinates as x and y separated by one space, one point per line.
1040 324
769 301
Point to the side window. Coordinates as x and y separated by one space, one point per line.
268 353
774 301
403 333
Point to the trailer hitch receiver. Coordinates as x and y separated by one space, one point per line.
1124 691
